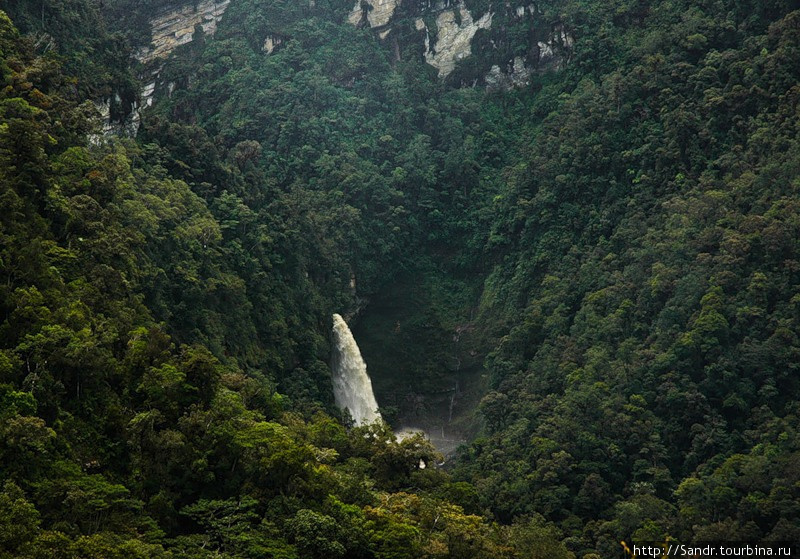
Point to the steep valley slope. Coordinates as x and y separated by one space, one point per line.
564 233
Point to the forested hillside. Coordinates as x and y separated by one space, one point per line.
610 236
647 264
118 439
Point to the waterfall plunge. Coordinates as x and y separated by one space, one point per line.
352 388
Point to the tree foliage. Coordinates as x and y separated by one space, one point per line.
622 235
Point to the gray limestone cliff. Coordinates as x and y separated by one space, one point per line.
451 38
125 126
169 29
377 12
176 26
446 29
517 74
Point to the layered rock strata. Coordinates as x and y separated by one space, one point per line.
176 27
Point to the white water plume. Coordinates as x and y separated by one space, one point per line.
352 388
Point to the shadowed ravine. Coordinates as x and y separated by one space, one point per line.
353 390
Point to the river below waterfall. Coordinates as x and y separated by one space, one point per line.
437 414
427 374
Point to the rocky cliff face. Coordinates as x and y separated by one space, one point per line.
124 126
376 12
453 38
270 43
176 26
169 29
516 74
447 31
450 37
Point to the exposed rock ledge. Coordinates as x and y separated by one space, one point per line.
516 75
379 12
175 27
127 127
453 39
270 43
168 29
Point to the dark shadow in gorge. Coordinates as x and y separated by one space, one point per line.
424 357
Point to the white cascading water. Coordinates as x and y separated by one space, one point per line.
352 388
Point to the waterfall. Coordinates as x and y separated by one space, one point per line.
352 387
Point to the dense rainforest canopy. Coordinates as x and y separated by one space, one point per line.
617 239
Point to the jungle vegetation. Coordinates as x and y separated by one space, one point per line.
622 235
